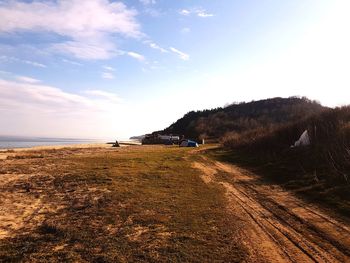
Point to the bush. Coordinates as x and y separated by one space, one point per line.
329 152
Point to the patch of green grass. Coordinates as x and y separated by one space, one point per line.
141 204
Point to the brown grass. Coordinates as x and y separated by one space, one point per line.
144 204
329 153
320 170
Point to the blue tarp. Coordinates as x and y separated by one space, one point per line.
192 144
188 143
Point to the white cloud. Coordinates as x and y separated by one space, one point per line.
149 8
33 94
28 62
155 46
107 75
181 54
33 63
88 25
72 62
204 14
200 12
135 55
109 68
27 79
148 2
85 50
153 12
49 111
185 12
104 95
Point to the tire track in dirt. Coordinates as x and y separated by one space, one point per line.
275 225
302 226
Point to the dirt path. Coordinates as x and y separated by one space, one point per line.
275 226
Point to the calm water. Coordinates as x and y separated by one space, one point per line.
26 142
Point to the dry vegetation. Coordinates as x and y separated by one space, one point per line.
320 170
240 117
111 205
155 204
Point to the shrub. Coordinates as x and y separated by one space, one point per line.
329 152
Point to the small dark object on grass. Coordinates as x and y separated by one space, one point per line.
46 228
116 144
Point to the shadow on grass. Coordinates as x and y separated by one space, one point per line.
291 172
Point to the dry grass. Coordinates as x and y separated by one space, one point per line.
320 171
328 155
135 204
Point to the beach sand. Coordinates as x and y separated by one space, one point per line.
4 153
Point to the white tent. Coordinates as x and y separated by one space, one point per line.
304 140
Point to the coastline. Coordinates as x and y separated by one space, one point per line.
5 152
58 146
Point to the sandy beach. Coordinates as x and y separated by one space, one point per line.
4 153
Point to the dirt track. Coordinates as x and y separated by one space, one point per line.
275 226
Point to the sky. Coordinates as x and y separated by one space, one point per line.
114 69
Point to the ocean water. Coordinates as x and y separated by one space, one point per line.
7 142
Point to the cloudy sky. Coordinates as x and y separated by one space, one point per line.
112 69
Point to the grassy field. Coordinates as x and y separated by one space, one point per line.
129 204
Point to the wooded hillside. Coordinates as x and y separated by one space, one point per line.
216 123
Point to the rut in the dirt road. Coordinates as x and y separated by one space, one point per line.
275 226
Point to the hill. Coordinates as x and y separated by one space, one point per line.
138 137
320 170
218 122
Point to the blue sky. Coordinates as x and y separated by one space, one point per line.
113 69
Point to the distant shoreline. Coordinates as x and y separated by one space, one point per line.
21 142
54 146
18 142
60 146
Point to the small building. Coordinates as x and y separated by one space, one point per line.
160 139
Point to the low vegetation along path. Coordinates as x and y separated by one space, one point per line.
155 204
275 225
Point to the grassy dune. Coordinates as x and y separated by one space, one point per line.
119 205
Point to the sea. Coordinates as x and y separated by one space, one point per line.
9 142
